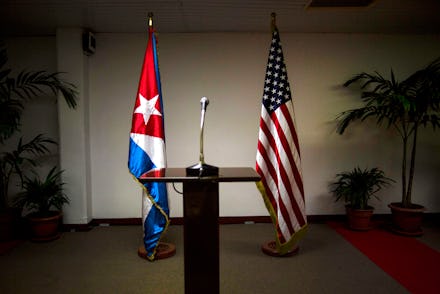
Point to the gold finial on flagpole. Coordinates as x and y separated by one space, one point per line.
273 16
150 19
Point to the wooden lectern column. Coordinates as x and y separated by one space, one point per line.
201 236
201 227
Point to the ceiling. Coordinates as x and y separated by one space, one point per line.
42 17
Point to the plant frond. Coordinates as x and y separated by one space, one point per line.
42 195
10 114
344 119
36 146
27 85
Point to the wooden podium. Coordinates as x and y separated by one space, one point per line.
201 226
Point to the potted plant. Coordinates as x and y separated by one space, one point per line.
355 188
405 106
15 91
14 163
41 197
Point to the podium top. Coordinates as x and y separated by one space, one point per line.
226 174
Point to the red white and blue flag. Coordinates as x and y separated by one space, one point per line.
278 155
147 148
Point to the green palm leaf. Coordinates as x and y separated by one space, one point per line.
404 105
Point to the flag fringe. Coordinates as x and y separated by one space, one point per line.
153 255
282 248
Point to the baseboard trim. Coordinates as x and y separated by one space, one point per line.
179 220
226 220
116 221
76 227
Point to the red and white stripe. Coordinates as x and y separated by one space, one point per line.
279 165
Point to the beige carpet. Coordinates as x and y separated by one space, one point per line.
104 260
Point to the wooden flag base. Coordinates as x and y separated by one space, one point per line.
270 248
163 250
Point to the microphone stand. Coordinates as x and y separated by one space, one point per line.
202 169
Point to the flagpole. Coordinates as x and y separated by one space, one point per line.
150 19
162 249
291 225
273 22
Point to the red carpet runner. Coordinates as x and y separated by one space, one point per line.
412 263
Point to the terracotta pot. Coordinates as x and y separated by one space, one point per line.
359 219
45 228
406 221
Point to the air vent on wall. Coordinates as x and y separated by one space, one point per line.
338 3
89 43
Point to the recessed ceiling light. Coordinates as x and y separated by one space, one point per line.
338 3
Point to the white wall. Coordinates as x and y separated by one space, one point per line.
74 135
229 69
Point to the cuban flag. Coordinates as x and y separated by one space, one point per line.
147 148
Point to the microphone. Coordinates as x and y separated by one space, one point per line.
202 169
204 102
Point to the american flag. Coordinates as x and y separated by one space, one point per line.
278 155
